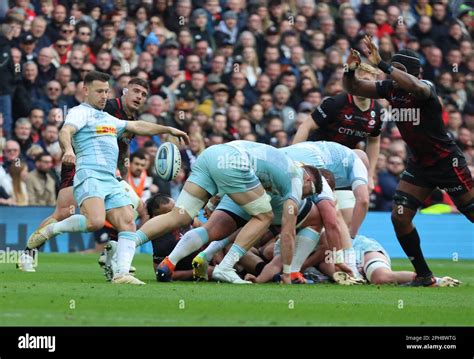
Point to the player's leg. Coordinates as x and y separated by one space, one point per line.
219 225
465 204
122 219
377 270
407 199
190 201
257 204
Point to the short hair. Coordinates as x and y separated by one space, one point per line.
368 68
41 155
22 121
154 203
140 82
329 176
138 154
96 76
316 175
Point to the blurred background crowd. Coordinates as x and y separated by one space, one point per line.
218 69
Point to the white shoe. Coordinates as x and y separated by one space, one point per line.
39 236
229 276
127 279
447 282
26 263
343 278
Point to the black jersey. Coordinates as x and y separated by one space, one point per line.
420 123
340 120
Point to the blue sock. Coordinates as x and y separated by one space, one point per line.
190 242
75 223
125 251
142 238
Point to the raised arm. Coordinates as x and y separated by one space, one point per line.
65 141
352 84
403 79
147 129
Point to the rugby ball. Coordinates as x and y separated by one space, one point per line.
168 161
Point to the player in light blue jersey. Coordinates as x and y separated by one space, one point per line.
374 264
89 141
245 171
350 169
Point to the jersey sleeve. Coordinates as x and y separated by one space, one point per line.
384 88
120 125
76 117
325 112
359 174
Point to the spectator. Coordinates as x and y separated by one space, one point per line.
40 184
14 184
388 181
138 177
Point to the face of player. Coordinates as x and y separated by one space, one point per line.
135 97
96 94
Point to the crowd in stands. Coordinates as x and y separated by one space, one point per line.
220 70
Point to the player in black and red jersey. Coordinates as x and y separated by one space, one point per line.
348 120
124 108
435 159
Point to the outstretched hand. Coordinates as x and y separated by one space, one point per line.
180 134
353 60
372 51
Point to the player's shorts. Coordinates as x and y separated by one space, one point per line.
451 174
241 217
104 186
363 245
67 176
345 199
223 169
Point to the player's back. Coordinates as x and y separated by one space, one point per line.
304 152
276 171
95 142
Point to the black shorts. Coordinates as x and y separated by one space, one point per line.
67 176
451 174
105 234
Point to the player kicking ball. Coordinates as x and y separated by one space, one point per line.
435 161
89 141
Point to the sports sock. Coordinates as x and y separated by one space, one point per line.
189 243
306 240
214 247
125 251
142 238
411 246
232 257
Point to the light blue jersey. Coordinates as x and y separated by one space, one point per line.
96 149
240 166
95 142
345 165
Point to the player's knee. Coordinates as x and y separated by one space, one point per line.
266 217
400 220
95 224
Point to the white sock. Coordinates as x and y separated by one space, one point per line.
75 223
142 238
232 257
189 243
125 251
110 253
213 248
306 240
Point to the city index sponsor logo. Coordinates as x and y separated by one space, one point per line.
106 130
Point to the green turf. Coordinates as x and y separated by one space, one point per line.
69 289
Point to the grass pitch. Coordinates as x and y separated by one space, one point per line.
69 290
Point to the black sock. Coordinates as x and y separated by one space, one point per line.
411 246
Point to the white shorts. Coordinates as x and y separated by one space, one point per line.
345 199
